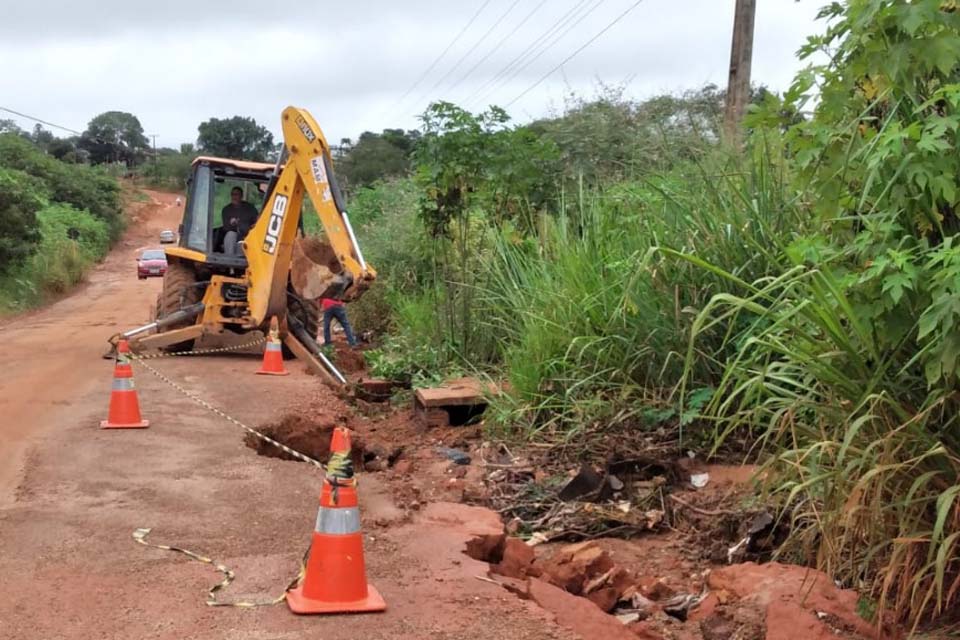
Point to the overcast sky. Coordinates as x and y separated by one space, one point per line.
176 63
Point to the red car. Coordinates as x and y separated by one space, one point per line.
152 263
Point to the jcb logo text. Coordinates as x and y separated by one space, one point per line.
275 224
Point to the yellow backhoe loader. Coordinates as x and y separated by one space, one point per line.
229 277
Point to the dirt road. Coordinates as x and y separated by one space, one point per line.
49 354
73 494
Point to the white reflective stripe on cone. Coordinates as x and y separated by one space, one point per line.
123 384
273 346
338 522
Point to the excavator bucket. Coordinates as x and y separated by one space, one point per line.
315 271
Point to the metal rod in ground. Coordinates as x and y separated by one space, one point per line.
310 343
330 367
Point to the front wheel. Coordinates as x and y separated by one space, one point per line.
179 290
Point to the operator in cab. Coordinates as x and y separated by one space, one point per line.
238 218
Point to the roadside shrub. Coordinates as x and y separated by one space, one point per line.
75 184
20 199
843 366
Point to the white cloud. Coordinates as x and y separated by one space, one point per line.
177 63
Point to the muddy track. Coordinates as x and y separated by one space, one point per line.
73 494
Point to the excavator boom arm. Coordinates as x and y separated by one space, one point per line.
305 168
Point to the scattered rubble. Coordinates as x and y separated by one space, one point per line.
614 577
457 456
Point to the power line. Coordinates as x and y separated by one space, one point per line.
443 53
474 47
573 23
559 24
575 53
497 46
49 124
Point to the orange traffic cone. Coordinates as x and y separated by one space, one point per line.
273 353
335 580
124 410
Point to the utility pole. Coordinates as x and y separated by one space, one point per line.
741 57
156 167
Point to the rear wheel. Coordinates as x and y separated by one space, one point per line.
179 291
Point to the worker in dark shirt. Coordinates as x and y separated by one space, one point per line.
238 218
239 215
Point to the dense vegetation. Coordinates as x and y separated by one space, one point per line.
622 269
56 219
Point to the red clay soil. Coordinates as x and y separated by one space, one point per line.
305 433
71 495
349 361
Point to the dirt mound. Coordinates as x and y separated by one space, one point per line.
799 602
314 268
306 434
348 360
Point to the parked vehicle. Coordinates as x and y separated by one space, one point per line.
167 237
152 263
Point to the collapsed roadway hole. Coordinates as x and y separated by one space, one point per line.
308 435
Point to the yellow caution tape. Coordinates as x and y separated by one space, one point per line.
140 535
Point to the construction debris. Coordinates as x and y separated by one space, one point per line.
586 482
459 457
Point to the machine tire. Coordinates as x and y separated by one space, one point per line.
307 312
178 292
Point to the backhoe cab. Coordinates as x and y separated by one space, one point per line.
235 275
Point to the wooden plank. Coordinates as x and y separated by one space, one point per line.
462 392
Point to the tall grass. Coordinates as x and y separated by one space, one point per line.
863 454
592 313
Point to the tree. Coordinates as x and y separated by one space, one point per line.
62 148
187 149
9 126
376 156
238 137
114 136
41 137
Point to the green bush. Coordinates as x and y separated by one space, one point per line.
71 242
74 184
415 352
384 217
170 171
20 199
61 222
56 220
843 366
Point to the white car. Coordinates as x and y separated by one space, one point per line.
167 237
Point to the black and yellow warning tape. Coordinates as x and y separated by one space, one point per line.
200 352
140 535
203 403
